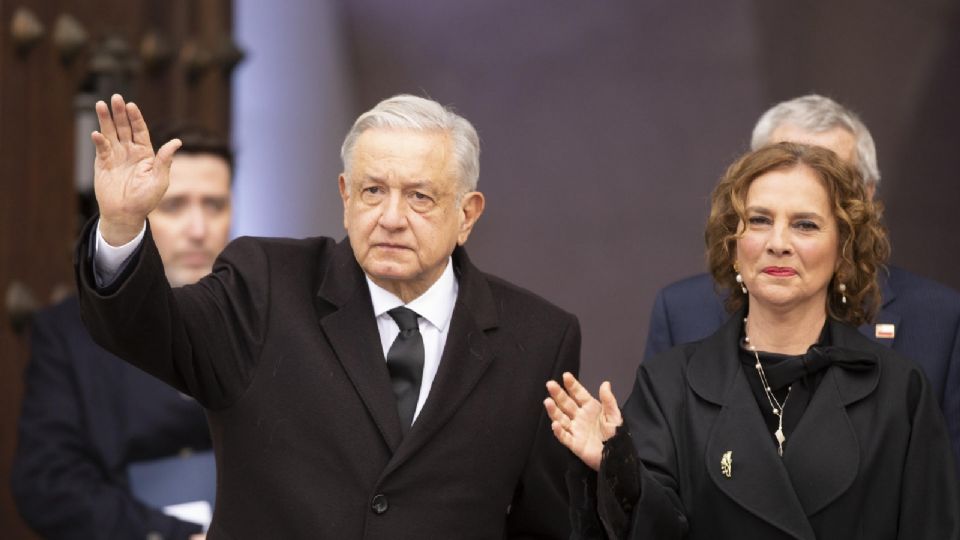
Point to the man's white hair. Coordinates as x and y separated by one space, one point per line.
816 114
416 113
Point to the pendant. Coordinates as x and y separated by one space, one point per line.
780 440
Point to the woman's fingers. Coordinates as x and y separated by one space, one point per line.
553 412
562 435
590 456
563 401
608 403
576 390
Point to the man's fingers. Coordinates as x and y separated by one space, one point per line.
120 119
565 403
106 121
139 126
102 144
576 390
165 154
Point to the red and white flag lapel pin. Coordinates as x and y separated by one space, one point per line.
885 331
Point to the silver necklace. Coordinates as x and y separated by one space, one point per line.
774 403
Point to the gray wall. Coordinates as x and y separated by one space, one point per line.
604 126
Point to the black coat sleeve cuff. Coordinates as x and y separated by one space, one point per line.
618 483
582 488
86 260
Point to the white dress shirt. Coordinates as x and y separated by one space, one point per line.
435 307
108 259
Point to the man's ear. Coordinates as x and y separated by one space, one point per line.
471 207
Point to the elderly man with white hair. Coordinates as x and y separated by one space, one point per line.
377 387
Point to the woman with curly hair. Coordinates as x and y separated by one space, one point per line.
787 422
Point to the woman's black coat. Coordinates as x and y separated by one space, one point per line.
870 457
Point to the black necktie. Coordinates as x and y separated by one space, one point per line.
405 363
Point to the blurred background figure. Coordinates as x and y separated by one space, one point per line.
917 317
105 450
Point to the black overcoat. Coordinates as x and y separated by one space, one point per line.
869 459
280 344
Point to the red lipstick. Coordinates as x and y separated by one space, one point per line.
780 271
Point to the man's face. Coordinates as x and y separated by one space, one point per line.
191 224
401 208
839 140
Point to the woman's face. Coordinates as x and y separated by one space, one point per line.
789 248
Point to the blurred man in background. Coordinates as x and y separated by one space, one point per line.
98 437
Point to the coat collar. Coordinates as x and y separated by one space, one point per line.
346 316
812 474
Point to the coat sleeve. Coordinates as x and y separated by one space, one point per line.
637 488
659 337
202 339
929 494
540 506
584 517
61 485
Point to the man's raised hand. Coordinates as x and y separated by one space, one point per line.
129 179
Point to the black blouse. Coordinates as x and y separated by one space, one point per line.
789 380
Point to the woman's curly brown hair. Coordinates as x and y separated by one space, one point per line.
863 247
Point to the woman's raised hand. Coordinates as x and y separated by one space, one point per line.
580 421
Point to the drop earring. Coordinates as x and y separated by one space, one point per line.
736 268
843 293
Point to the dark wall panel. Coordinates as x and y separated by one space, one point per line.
606 124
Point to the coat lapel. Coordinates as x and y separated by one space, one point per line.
466 356
823 453
759 481
347 319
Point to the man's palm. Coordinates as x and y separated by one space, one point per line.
129 178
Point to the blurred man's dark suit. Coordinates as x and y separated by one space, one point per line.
86 417
925 316
281 345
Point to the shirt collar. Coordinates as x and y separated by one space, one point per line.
435 305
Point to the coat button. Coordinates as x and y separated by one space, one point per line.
379 504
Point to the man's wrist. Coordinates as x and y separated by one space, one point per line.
117 233
108 260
